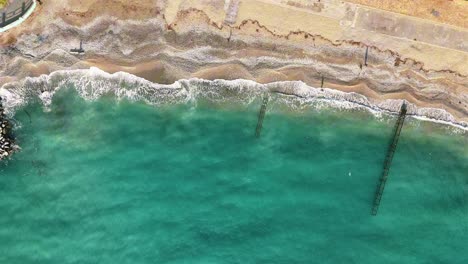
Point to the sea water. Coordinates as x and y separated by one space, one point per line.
114 181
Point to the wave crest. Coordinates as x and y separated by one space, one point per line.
93 83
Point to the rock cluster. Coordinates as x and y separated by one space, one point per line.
6 140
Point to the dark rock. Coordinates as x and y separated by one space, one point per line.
6 138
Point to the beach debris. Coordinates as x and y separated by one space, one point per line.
29 55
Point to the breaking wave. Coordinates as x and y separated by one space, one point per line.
93 83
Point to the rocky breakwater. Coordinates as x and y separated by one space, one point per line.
6 139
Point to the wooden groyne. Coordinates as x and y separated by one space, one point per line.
6 140
388 159
80 50
261 116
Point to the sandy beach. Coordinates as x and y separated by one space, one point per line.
262 41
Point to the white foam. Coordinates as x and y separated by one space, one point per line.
93 83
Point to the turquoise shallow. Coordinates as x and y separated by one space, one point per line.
126 182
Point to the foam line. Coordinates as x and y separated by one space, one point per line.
92 83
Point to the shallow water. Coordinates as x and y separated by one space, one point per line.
125 182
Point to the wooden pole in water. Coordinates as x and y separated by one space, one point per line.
261 116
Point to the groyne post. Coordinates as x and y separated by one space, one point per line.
79 50
261 116
365 57
23 8
321 85
230 35
388 159
3 18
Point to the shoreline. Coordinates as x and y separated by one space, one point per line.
195 44
124 85
166 55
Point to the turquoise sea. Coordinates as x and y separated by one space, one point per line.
111 181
